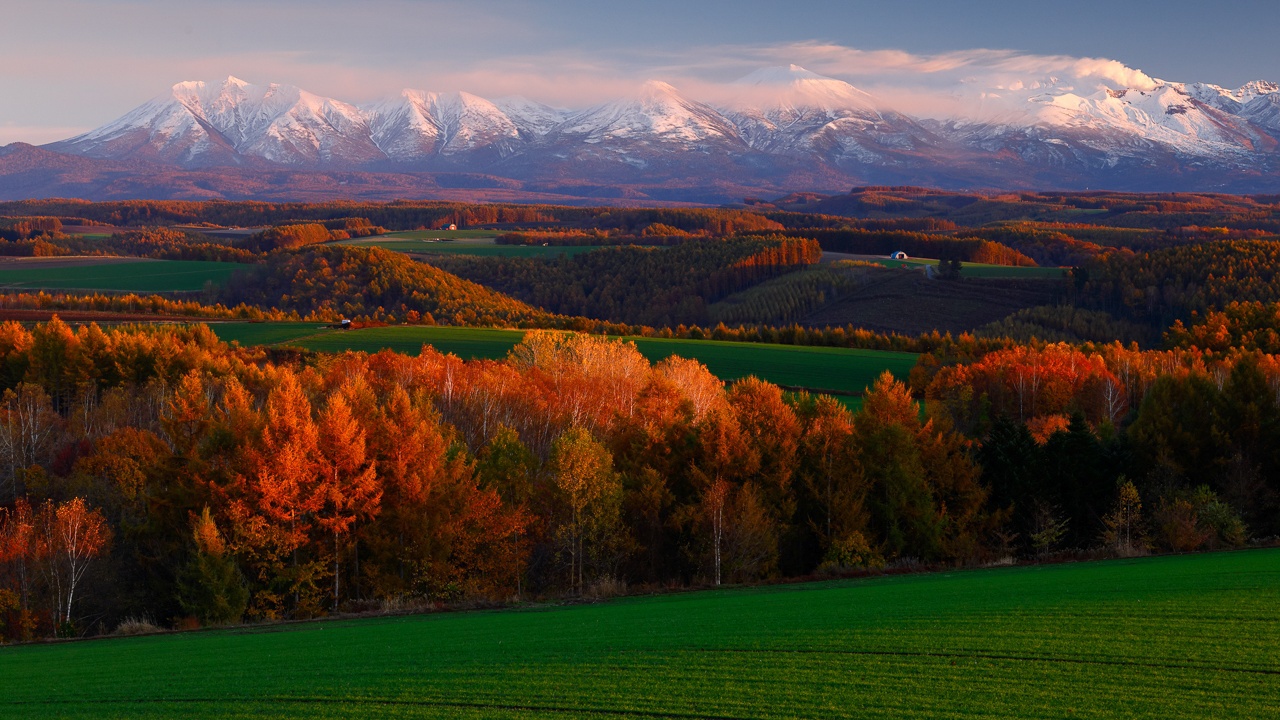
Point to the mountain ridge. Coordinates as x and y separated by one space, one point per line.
778 125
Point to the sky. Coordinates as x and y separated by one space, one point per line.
67 66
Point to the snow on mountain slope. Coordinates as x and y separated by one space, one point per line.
1116 121
656 113
532 118
1229 100
1264 111
403 128
419 124
160 129
287 125
773 121
792 110
1165 115
469 122
787 90
200 123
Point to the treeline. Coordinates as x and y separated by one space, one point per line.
1247 325
791 297
1157 211
641 286
234 487
397 215
401 215
231 486
371 282
1066 323
884 242
26 228
292 237
1062 428
160 243
131 307
128 305
719 223
1159 287
1047 247
805 221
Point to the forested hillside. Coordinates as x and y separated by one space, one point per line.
353 282
1127 404
217 484
643 286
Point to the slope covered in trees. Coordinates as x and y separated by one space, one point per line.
357 282
645 286
219 484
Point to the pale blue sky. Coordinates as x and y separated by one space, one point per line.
68 65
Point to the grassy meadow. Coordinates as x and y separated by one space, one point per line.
474 243
106 274
837 370
980 271
1193 636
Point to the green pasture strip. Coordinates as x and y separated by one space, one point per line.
268 333
980 271
148 276
474 234
1193 636
466 343
839 370
473 248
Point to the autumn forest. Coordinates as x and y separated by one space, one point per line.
1093 375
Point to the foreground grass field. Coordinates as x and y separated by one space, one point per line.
1171 637
108 275
838 370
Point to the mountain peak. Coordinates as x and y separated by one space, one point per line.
652 88
780 75
1255 88
792 87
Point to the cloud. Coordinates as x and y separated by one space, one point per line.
967 82
37 134
933 85
433 46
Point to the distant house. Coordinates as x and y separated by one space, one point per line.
451 226
899 255
344 324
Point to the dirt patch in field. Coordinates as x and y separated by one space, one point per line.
906 302
36 263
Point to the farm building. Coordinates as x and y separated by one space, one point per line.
899 255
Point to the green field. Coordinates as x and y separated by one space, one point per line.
139 276
838 370
1193 636
480 234
267 333
979 270
463 242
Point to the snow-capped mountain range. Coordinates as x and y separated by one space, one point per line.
777 126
